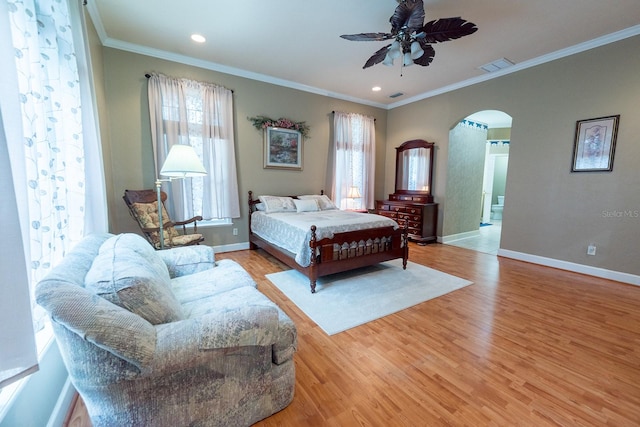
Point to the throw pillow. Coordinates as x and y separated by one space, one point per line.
124 277
307 205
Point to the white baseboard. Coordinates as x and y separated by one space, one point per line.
232 247
459 236
63 405
618 276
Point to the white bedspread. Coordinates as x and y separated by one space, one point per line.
292 231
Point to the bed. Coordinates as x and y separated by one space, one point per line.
322 240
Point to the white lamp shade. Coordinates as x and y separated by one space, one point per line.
388 60
354 193
183 162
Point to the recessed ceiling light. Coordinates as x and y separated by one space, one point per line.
198 38
376 88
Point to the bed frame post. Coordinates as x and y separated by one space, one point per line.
252 245
313 266
405 244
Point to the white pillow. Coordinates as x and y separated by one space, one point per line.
260 207
306 205
277 204
324 202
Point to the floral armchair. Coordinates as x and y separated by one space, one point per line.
143 207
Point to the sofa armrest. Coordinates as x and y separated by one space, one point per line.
191 342
188 259
112 328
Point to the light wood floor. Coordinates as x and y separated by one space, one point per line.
524 345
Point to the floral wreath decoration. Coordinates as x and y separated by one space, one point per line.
263 122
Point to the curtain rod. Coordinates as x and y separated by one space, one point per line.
149 76
374 119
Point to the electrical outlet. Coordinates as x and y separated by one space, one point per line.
235 232
591 250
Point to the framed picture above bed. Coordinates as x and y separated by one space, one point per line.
282 149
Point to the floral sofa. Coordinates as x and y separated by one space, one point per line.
167 338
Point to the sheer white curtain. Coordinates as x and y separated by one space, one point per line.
50 141
201 115
354 159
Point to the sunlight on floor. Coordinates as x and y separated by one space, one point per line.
488 241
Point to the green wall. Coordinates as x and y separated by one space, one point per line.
130 149
549 211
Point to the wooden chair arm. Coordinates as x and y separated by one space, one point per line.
188 221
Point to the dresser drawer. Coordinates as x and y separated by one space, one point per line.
416 218
413 210
420 218
415 225
388 214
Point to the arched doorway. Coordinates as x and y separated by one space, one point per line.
476 180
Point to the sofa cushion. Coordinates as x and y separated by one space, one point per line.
129 273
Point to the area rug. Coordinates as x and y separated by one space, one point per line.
352 298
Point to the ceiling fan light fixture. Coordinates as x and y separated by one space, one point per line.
412 36
407 60
388 60
394 50
416 50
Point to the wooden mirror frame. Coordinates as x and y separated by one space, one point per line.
408 145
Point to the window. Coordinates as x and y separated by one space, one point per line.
201 115
354 160
51 141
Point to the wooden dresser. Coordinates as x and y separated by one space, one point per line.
418 211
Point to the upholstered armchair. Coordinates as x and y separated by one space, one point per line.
143 207
167 338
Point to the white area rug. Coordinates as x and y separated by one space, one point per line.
345 300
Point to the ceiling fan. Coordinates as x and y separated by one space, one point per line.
412 37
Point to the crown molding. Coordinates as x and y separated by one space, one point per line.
208 65
562 53
187 60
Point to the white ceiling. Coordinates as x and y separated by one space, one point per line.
297 43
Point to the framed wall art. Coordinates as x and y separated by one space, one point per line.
595 144
282 149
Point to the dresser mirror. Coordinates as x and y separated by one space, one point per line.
414 168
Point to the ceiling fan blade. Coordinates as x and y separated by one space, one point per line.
367 36
442 30
377 57
409 13
427 56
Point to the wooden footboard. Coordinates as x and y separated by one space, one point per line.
345 251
